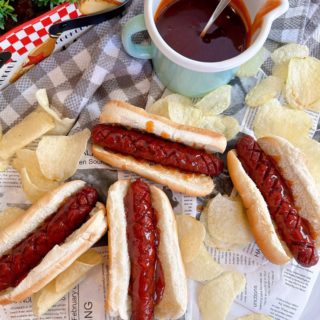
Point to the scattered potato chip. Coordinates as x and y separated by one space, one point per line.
228 126
191 234
303 83
28 159
281 71
10 215
227 222
274 119
311 151
216 101
62 126
252 67
33 126
232 127
59 156
264 91
203 267
289 51
4 164
255 316
184 114
33 192
216 297
161 107
44 299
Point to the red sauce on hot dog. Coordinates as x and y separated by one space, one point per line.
146 280
72 213
146 146
293 229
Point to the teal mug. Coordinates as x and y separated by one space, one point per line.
186 76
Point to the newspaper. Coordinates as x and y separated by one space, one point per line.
279 291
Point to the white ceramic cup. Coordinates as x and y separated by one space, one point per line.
186 76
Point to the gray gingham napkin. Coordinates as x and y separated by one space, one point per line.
95 68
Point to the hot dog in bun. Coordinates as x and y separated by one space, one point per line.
48 238
156 148
281 198
146 276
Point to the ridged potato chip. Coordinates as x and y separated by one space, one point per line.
289 51
32 127
10 215
59 156
255 316
184 115
303 83
33 192
281 71
191 234
264 91
216 101
274 119
228 126
44 299
28 159
161 107
203 267
227 222
216 297
311 151
252 67
62 126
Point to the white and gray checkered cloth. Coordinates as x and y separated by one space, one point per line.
95 68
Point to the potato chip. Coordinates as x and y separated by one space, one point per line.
252 67
4 164
255 316
191 234
44 299
161 107
33 126
10 215
303 83
228 126
59 156
203 267
62 126
232 127
227 222
184 114
274 119
264 91
281 71
311 151
211 241
216 101
289 51
216 297
28 159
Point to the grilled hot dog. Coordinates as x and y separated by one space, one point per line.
51 235
145 261
259 171
158 149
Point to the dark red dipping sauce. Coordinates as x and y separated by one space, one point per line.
181 22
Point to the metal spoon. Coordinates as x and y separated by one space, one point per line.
220 7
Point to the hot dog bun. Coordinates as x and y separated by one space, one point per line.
293 169
60 257
174 302
118 112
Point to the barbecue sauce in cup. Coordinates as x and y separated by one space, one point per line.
180 23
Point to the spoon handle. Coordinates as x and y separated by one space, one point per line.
220 7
